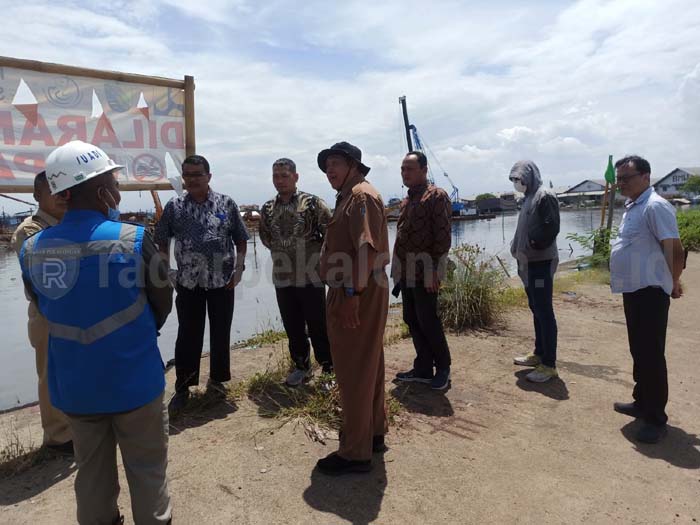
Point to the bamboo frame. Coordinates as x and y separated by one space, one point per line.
47 67
61 69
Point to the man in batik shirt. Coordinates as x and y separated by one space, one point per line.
206 226
292 226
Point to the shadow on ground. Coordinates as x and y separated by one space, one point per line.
419 398
678 448
604 372
200 410
554 388
41 473
356 498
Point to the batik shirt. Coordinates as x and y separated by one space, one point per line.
423 234
204 235
294 232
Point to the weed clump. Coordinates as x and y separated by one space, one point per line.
471 293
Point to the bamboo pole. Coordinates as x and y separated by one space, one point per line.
613 187
190 142
61 69
605 203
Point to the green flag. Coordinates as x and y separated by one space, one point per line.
610 172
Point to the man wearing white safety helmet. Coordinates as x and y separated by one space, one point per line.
104 290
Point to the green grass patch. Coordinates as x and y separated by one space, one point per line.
315 404
689 228
265 337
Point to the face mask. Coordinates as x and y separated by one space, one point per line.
113 214
519 186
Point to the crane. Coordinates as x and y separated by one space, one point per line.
458 207
412 131
454 196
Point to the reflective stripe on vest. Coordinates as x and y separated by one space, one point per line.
114 322
124 245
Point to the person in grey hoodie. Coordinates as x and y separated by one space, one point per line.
534 246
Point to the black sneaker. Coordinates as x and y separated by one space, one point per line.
378 445
414 377
178 402
334 465
64 449
651 433
628 409
441 379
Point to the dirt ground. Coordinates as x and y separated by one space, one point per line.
492 449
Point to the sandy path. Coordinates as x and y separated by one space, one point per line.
492 449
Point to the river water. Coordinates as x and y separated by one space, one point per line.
256 306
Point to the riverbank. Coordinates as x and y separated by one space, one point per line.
493 448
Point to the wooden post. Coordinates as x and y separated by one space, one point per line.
190 143
613 187
604 203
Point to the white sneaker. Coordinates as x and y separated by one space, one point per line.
542 374
527 360
298 376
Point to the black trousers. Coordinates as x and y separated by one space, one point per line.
421 316
192 307
304 307
646 312
539 289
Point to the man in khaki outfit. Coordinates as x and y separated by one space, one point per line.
353 258
57 434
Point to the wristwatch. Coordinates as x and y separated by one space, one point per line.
240 267
351 292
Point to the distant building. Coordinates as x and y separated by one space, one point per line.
589 192
670 185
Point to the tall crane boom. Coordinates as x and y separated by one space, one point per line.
454 196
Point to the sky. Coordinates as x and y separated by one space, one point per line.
564 84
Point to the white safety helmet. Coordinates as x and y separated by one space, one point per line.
76 162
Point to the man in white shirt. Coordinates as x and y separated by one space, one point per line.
646 262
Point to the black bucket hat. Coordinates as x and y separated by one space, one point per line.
345 149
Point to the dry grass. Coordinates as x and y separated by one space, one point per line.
20 453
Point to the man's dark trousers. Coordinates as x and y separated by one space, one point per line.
192 307
646 312
539 289
421 316
302 307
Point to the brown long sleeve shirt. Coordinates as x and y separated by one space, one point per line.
424 234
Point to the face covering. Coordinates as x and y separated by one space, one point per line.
113 214
519 186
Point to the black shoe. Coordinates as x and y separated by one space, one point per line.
628 409
650 433
178 402
414 377
441 380
334 465
215 389
378 445
64 449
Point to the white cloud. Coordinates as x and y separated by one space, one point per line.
487 83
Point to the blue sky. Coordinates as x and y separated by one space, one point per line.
488 83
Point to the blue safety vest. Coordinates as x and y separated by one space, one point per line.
87 273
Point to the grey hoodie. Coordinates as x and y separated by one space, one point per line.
538 222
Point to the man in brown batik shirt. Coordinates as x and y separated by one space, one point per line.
354 255
423 240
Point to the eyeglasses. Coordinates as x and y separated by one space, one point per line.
515 179
627 177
